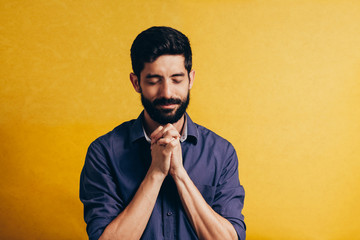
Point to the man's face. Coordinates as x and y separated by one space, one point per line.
164 87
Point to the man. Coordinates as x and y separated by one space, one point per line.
162 176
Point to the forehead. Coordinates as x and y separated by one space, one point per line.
165 64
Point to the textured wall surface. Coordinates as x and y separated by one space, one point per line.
279 79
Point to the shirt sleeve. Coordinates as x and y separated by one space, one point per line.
229 195
98 191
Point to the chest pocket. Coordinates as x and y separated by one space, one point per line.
207 191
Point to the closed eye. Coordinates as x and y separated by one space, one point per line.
177 80
178 77
152 79
151 82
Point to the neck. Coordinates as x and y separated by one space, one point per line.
150 125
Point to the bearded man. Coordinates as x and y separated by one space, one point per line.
162 176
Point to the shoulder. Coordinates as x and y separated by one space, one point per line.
119 135
210 138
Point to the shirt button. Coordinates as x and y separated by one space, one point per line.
169 213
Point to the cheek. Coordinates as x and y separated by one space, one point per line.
149 93
184 91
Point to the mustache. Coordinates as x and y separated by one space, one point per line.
164 101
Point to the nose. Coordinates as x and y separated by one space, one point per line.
165 90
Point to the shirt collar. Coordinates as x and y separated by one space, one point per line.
190 132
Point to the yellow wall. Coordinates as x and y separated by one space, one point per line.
279 79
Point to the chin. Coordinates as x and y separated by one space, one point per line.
168 112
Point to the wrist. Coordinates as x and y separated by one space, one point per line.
156 175
178 173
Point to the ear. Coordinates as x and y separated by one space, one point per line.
135 82
192 78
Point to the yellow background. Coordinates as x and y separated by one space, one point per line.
279 79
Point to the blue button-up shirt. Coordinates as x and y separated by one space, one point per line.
117 163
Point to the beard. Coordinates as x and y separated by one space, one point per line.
165 116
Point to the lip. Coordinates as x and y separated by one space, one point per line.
168 106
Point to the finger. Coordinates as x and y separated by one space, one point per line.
172 143
159 134
164 141
171 133
156 131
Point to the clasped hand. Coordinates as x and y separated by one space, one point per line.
166 150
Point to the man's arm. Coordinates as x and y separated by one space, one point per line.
131 223
105 212
207 223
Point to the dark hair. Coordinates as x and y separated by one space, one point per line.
156 41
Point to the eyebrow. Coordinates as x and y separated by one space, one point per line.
148 76
178 75
153 76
